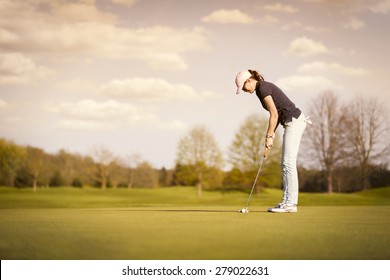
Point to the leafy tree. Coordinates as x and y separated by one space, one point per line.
199 151
145 176
246 153
57 180
36 162
233 179
12 157
165 177
23 178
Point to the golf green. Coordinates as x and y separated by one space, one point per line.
195 232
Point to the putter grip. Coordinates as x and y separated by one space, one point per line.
266 152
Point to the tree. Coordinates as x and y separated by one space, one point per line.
131 162
36 162
326 137
165 177
367 127
245 153
103 158
117 172
199 150
145 176
12 157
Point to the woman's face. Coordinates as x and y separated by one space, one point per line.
249 86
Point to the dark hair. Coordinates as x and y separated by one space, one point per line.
256 75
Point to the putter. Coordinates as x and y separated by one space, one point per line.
246 210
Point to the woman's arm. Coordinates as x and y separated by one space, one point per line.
273 120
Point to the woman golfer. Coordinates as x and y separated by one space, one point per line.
281 111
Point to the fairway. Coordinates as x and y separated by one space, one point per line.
355 232
197 231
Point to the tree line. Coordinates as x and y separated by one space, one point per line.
346 149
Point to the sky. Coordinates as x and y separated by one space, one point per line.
134 76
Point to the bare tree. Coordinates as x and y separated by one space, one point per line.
117 172
367 126
199 150
326 138
132 161
103 158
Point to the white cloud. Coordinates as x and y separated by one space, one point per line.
91 109
3 104
15 68
333 68
89 125
173 125
152 89
70 29
304 47
77 11
354 23
298 24
127 3
229 16
270 19
93 115
277 7
7 37
307 83
78 84
381 7
89 114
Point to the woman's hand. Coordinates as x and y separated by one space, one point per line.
269 141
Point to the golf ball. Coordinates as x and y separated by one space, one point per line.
243 210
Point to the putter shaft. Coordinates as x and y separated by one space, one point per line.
257 175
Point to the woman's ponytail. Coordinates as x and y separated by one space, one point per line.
256 75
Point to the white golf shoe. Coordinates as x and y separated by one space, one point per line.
284 208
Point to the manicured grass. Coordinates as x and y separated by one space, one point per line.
173 223
67 197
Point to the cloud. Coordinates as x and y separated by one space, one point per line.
304 47
277 7
78 84
127 3
88 114
3 104
89 125
297 24
151 89
354 23
381 7
7 37
309 83
91 109
15 68
229 16
62 28
91 114
270 19
333 68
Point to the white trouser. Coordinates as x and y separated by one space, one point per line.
291 139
